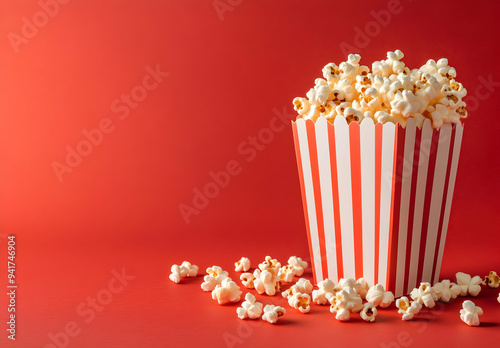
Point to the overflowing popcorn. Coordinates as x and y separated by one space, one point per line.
407 308
468 285
227 291
391 92
369 312
250 308
242 265
324 293
425 295
492 280
300 301
272 313
348 282
266 282
214 277
247 280
470 313
446 290
186 269
344 302
379 297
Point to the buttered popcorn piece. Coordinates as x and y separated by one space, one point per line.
227 291
343 314
470 313
425 295
298 265
186 269
286 273
273 313
270 264
346 298
214 277
326 289
369 312
247 280
492 280
304 285
300 301
468 285
250 308
362 288
242 265
379 297
446 290
266 282
406 308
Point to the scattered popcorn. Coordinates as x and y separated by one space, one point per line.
304 285
214 277
249 308
346 298
492 280
406 308
247 280
379 297
445 290
468 285
270 264
272 313
391 92
300 301
286 273
470 313
186 269
266 282
424 295
227 291
369 312
343 314
348 282
326 289
298 265
242 265
363 287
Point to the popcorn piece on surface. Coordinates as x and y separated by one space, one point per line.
468 285
247 280
304 285
445 290
300 301
270 264
369 312
186 269
406 308
346 298
424 295
343 314
192 270
492 280
272 313
326 289
379 297
249 308
227 291
242 265
362 288
214 277
298 265
286 273
266 282
470 313
348 282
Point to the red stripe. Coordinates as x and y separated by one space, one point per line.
313 153
335 194
356 197
378 174
427 203
303 192
411 211
395 206
443 204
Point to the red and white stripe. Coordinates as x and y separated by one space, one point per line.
376 198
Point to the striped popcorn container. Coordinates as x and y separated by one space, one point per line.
377 198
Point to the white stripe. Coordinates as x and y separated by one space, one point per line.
345 194
388 135
308 185
449 197
443 151
405 205
423 166
367 146
325 179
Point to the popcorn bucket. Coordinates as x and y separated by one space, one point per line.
377 198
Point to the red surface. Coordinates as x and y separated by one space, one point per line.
228 81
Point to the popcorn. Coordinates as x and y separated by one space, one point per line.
379 297
266 282
468 285
498 298
445 290
214 277
492 280
186 269
286 273
300 301
346 298
369 312
302 286
270 264
298 265
272 313
362 288
227 291
424 295
249 308
406 308
325 291
343 314
347 282
247 280
470 313
242 265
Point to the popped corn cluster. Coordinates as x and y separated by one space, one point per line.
186 269
390 92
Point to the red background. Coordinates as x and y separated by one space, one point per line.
120 207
